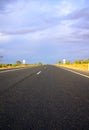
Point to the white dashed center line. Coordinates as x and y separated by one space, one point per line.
38 72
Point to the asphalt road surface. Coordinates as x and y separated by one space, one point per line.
43 98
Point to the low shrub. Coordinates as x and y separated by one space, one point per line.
14 65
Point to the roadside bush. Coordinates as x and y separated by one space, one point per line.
14 65
3 65
9 64
0 65
40 63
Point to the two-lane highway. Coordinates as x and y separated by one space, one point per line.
44 98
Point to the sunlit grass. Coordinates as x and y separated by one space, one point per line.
75 66
8 66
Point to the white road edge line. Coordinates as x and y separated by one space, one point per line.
76 73
4 71
38 72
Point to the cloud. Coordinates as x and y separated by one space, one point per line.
22 31
4 4
37 16
1 51
41 29
24 16
64 8
4 38
80 24
80 14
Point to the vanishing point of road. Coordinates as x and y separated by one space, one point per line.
43 98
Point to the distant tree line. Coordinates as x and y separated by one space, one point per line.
80 61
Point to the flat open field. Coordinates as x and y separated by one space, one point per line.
83 67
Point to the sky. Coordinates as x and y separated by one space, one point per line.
44 31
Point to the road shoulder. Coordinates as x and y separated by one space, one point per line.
77 71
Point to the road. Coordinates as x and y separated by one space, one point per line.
43 98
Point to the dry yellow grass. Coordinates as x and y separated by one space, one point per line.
19 66
83 67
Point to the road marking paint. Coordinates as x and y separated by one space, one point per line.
76 72
4 71
38 72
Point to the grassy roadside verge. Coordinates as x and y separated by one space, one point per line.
11 66
83 67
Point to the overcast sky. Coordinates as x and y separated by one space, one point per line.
46 31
